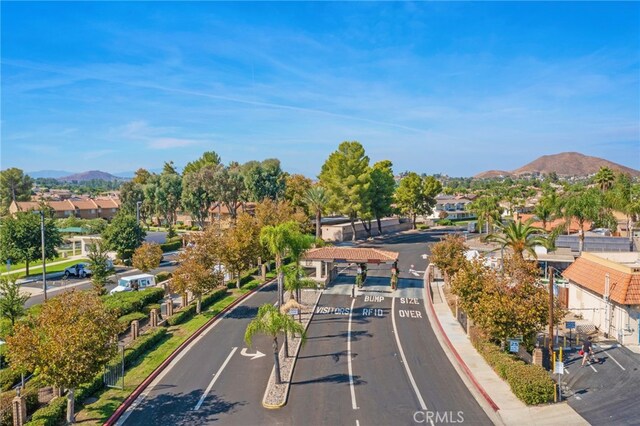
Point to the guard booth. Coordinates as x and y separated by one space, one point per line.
325 264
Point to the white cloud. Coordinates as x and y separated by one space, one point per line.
169 143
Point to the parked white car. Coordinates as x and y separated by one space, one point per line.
134 283
82 270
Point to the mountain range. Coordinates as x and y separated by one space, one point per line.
563 164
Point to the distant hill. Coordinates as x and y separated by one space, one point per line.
493 174
48 174
90 175
564 164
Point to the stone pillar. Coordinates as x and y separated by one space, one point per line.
57 392
185 299
19 406
135 329
537 357
259 262
153 318
169 307
469 325
264 272
198 306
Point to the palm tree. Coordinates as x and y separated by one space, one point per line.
278 239
604 178
271 322
295 281
519 237
487 209
317 199
583 206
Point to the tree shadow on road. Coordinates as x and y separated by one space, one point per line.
333 378
179 409
243 312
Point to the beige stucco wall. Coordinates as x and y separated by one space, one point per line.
624 319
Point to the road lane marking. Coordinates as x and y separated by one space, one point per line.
423 406
616 361
357 423
218 373
592 367
351 386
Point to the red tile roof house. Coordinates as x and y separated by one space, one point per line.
84 208
605 289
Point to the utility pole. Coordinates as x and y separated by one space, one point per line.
550 312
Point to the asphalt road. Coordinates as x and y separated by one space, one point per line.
606 392
391 367
59 286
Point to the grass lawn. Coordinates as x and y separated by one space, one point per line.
110 399
37 270
3 267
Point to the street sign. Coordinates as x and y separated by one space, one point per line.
514 346
8 265
293 311
570 325
559 368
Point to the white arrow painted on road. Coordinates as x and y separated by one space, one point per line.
258 354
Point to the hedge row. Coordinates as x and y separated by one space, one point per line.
171 246
53 414
126 302
252 284
163 276
530 383
186 314
125 321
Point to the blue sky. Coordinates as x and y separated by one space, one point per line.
454 88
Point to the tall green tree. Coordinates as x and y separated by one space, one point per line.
20 238
208 159
123 235
167 196
487 209
130 194
199 193
625 197
264 180
604 178
14 186
584 206
296 187
169 168
346 176
230 184
415 195
12 300
518 236
271 322
241 245
278 240
141 176
68 343
383 186
317 199
100 266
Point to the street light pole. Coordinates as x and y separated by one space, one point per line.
44 260
551 312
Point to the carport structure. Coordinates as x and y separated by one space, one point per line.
325 260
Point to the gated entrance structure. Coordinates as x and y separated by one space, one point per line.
326 261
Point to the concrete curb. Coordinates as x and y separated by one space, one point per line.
452 349
293 367
142 386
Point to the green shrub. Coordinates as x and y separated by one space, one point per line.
50 415
144 343
195 228
163 276
530 383
252 284
171 246
445 222
187 313
8 378
126 302
422 226
147 309
125 321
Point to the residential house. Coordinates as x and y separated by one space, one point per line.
455 207
84 208
605 289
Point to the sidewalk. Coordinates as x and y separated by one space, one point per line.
480 377
39 267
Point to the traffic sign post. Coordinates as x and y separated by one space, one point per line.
570 325
514 345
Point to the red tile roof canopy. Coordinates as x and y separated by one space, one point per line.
351 255
624 287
